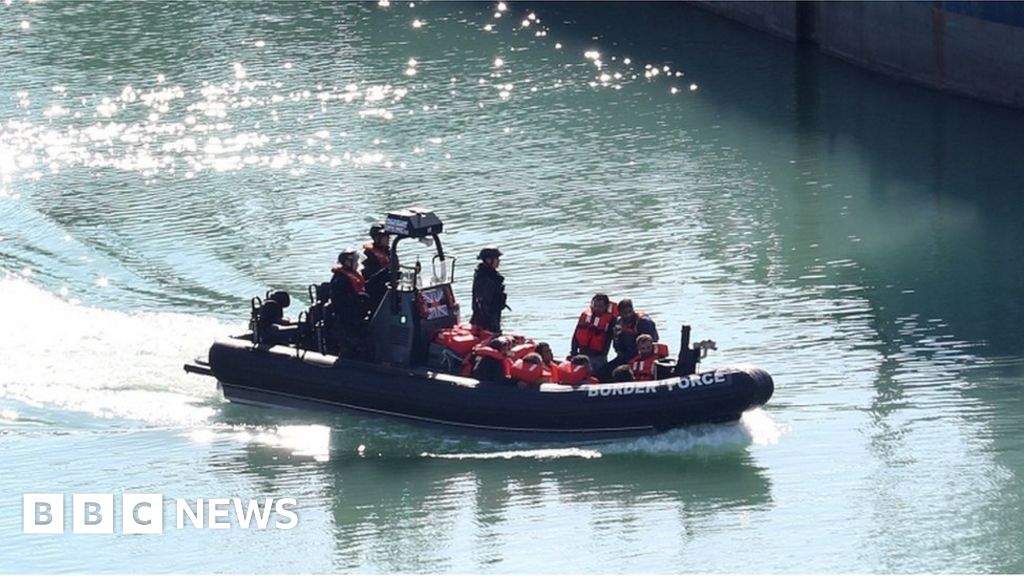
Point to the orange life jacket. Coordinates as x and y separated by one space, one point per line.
481 350
592 331
483 335
529 373
550 372
382 256
574 374
643 368
356 279
456 339
520 350
661 350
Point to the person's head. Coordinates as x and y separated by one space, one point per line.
581 360
348 259
600 303
626 311
379 236
499 343
645 345
622 374
544 349
490 256
533 358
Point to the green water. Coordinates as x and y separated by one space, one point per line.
858 238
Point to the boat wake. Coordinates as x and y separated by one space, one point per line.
536 454
755 428
107 364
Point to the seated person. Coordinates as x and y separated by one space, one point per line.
630 325
491 363
576 371
349 306
268 323
622 374
528 370
642 365
283 300
550 367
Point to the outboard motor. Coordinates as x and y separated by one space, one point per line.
279 296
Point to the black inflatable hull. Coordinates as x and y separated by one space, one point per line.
276 376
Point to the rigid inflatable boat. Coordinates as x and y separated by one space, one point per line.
415 368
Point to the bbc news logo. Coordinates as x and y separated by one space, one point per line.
144 513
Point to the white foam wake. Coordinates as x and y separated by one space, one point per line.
754 428
537 454
105 363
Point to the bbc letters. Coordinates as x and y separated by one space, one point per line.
145 513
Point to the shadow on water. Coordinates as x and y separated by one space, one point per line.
417 512
400 497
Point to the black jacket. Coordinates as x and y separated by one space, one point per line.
371 265
625 336
348 304
488 298
488 369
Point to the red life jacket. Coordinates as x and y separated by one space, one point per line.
592 331
550 372
382 256
520 350
574 374
661 350
481 334
481 350
459 341
529 373
356 279
643 368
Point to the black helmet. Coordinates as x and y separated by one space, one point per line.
377 230
349 255
489 252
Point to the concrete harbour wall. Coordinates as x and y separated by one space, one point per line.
970 48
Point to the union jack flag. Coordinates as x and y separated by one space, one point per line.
435 304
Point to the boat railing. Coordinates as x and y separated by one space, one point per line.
410 278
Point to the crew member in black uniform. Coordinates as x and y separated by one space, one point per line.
349 305
377 252
376 265
489 297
